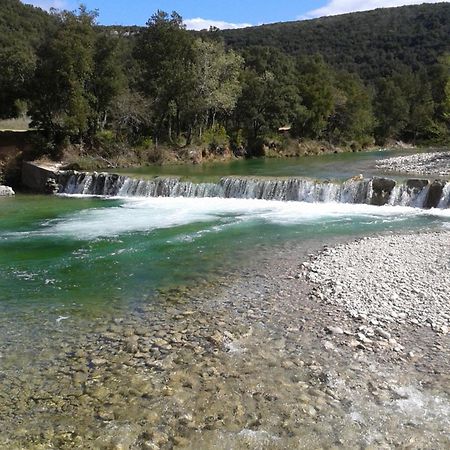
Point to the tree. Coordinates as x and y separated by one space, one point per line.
420 125
352 120
217 82
439 76
270 98
391 110
22 29
62 98
17 64
108 80
315 86
132 116
165 53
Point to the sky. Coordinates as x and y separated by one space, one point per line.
200 14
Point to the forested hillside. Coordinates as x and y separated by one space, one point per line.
373 43
348 81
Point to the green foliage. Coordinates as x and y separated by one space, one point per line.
270 98
76 79
146 142
217 86
105 138
107 80
216 137
315 84
61 103
391 108
352 121
166 56
373 44
22 29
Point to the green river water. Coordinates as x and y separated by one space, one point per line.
339 166
69 265
58 252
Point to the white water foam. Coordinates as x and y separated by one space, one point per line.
147 214
151 213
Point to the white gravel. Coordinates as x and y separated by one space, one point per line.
401 278
423 164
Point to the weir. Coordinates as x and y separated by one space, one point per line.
374 191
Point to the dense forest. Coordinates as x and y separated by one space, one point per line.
348 81
373 43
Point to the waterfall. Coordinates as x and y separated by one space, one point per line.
374 191
444 201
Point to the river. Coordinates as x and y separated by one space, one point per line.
78 273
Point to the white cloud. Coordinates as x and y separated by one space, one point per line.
201 24
334 7
47 4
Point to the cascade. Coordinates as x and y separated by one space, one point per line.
375 191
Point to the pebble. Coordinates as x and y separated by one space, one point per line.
334 330
382 333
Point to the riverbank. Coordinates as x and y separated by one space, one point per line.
203 154
437 163
402 281
254 359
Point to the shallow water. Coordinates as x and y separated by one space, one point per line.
102 327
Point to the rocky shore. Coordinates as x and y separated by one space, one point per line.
287 352
398 278
437 164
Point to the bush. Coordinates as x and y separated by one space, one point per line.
216 138
146 142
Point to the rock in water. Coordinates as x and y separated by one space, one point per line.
6 191
382 188
434 194
416 185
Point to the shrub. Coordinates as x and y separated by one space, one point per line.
216 138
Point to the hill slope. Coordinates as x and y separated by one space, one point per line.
373 43
21 23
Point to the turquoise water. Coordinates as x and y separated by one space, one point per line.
85 254
334 166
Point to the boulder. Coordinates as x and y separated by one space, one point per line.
35 176
6 191
382 188
416 185
434 194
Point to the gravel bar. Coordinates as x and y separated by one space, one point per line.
393 278
437 164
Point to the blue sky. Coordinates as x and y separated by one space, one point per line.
200 14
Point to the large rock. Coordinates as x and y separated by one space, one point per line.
416 185
434 194
6 191
39 178
382 188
